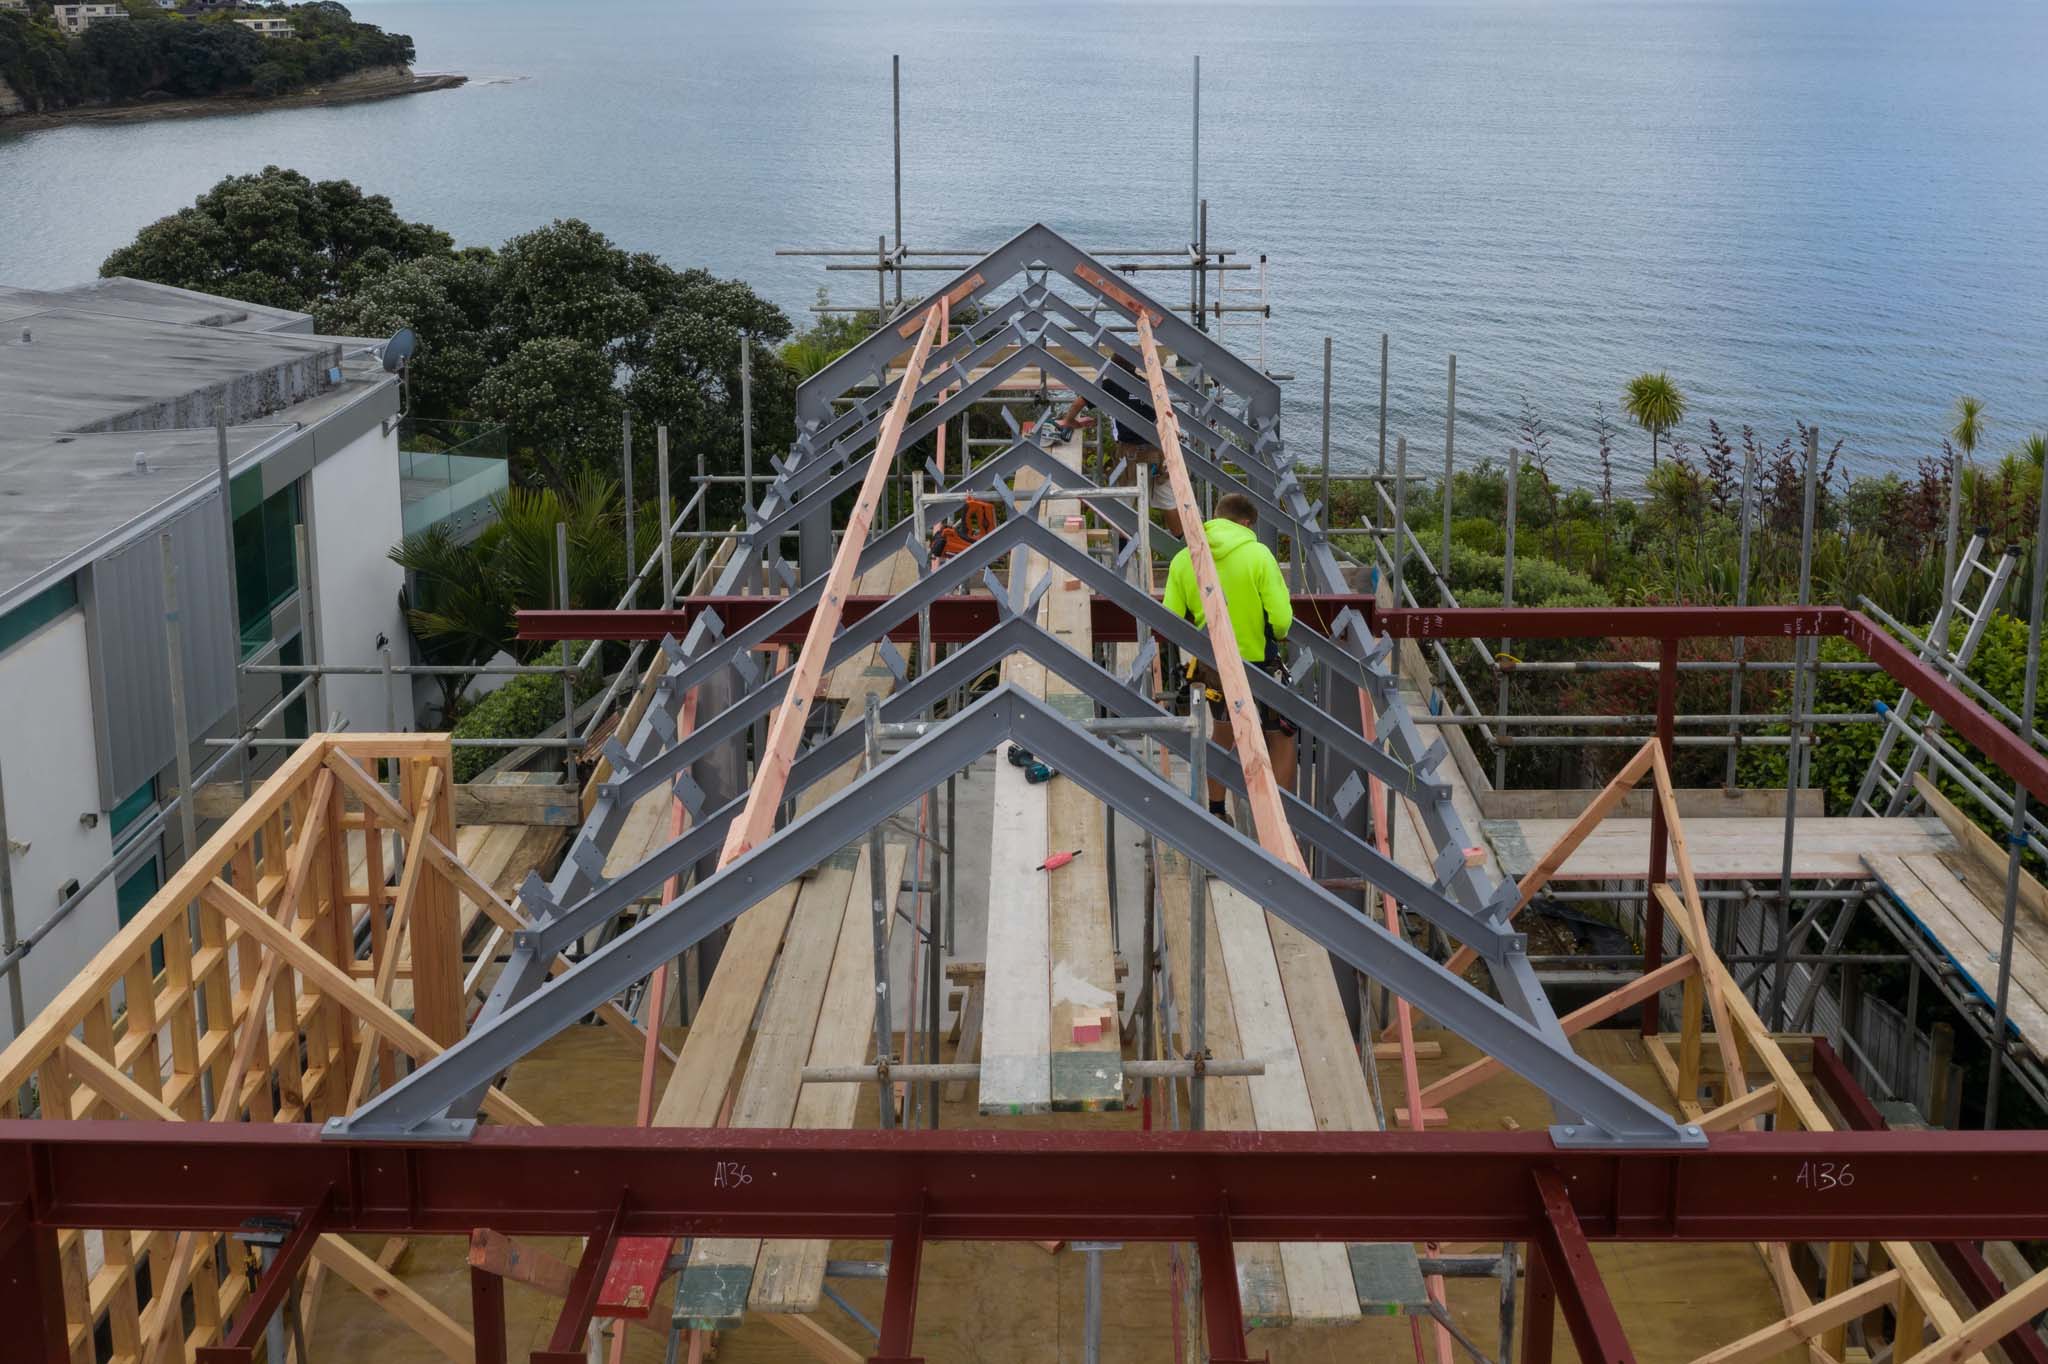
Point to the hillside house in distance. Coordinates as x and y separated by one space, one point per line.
269 25
76 18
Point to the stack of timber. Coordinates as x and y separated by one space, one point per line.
1264 1002
1728 849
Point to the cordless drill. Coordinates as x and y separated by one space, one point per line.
1036 773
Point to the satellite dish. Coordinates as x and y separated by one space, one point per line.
399 349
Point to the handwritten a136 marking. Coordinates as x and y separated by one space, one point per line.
730 1174
1824 1176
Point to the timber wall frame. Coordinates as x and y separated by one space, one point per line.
255 991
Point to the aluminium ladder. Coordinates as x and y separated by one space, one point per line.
1888 791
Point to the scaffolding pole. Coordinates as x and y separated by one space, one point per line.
2016 835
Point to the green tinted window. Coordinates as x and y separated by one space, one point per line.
38 611
291 653
266 563
124 815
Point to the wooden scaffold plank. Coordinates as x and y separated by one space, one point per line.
1227 1100
1085 1044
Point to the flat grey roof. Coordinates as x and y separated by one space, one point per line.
121 368
140 299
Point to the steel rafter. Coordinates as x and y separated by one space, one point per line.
1025 351
1037 304
712 655
1029 454
965 569
709 652
414 1105
1037 247
1018 635
1017 342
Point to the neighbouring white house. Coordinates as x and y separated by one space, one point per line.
109 468
18 6
76 18
269 25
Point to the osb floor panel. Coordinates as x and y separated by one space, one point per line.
1002 1303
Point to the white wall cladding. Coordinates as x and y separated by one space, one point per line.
356 519
51 782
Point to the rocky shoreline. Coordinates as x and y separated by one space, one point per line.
388 83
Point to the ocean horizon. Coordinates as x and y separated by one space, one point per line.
1830 212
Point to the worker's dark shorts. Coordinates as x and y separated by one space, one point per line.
1270 720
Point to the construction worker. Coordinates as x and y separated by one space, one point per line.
1132 446
1261 613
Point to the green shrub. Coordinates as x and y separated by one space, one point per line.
521 709
1476 578
1842 752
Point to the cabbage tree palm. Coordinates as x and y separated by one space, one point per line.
461 598
1654 403
1968 430
459 611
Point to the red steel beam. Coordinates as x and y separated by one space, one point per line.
32 1286
1222 1308
1604 622
487 1315
1575 1279
1963 1260
1539 1311
280 1279
566 1345
1039 1185
2010 753
899 1293
955 620
2007 751
1660 838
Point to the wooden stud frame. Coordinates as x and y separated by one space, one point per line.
1739 1037
232 996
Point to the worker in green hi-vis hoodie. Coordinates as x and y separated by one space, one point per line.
1261 613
